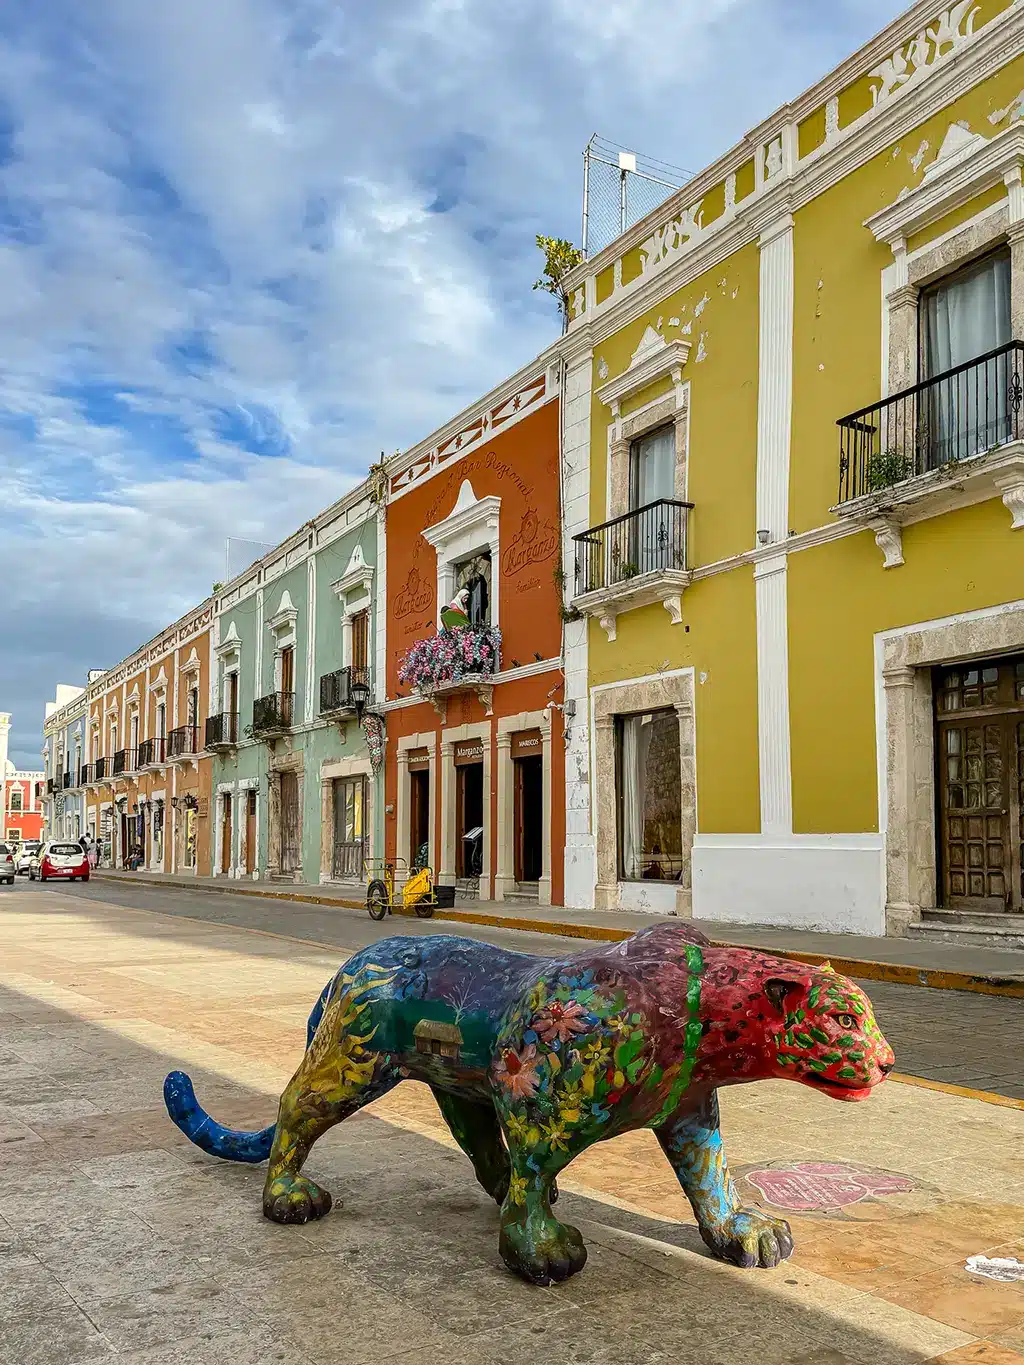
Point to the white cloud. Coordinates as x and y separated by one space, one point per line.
301 228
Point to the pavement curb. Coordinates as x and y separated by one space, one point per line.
897 973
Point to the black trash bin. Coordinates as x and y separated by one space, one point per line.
445 897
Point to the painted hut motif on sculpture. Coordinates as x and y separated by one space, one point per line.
439 1038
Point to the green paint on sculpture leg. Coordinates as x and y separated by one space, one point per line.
691 1036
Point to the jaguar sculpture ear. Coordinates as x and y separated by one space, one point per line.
777 989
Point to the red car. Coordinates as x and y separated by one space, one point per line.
61 860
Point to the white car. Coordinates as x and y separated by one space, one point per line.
6 865
25 856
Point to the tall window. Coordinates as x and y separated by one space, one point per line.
361 641
652 467
474 575
16 799
964 317
193 706
649 798
161 720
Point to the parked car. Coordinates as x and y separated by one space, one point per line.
61 859
6 865
25 856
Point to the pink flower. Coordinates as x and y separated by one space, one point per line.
561 1021
517 1071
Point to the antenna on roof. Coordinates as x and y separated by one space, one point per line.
619 188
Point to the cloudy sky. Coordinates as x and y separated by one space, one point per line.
245 245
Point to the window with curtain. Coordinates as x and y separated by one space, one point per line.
649 797
963 318
652 477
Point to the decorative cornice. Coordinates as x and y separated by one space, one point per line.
358 574
468 513
652 360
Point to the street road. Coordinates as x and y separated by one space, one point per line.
950 1036
121 1242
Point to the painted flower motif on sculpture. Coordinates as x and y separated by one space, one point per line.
517 1072
561 1021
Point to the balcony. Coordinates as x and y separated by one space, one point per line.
88 777
273 714
52 783
455 661
345 690
183 742
125 762
153 752
67 781
222 731
632 561
944 443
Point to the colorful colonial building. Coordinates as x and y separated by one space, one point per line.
794 454
296 741
147 776
64 749
21 795
475 767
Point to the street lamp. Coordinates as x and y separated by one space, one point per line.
360 694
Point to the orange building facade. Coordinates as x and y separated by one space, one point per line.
147 776
474 766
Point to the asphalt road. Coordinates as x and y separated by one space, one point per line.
976 1041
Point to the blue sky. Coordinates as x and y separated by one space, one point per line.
246 245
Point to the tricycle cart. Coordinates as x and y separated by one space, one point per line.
391 888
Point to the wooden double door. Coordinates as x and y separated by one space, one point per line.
979 717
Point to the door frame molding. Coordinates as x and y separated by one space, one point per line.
505 871
330 770
905 735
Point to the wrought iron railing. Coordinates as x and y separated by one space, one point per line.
966 411
650 539
182 741
102 767
124 761
152 751
222 729
273 712
51 783
336 688
68 780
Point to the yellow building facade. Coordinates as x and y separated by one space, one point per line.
793 450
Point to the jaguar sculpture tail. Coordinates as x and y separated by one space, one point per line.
199 1127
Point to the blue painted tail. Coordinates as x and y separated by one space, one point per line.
197 1125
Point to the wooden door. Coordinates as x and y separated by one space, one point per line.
225 835
419 815
287 684
290 853
250 832
349 850
360 644
980 772
232 733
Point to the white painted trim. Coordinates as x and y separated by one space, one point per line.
472 526
310 698
775 379
773 737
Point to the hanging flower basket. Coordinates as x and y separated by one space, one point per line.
464 654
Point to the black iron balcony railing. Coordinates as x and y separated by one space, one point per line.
651 539
124 761
273 713
966 411
340 690
182 741
51 783
222 730
67 781
88 774
101 769
152 751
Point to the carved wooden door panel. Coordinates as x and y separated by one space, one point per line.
289 822
980 773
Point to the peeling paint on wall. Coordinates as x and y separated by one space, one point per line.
701 305
1014 111
917 159
702 353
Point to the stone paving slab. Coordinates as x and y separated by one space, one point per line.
120 1242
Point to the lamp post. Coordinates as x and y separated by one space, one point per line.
360 694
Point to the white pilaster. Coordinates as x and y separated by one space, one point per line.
258 682
774 425
310 711
580 839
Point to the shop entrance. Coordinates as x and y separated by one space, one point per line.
250 832
225 835
419 808
290 856
469 808
529 818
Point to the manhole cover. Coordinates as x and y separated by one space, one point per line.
810 1187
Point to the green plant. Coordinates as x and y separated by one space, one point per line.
217 587
627 571
888 467
560 257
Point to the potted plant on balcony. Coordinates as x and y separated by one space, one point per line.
888 467
460 654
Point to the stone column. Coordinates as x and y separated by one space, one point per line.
273 823
544 890
326 829
446 876
505 874
687 805
606 893
403 833
900 909
903 347
1017 281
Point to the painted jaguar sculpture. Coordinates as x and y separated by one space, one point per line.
534 1059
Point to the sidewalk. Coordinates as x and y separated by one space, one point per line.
944 966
